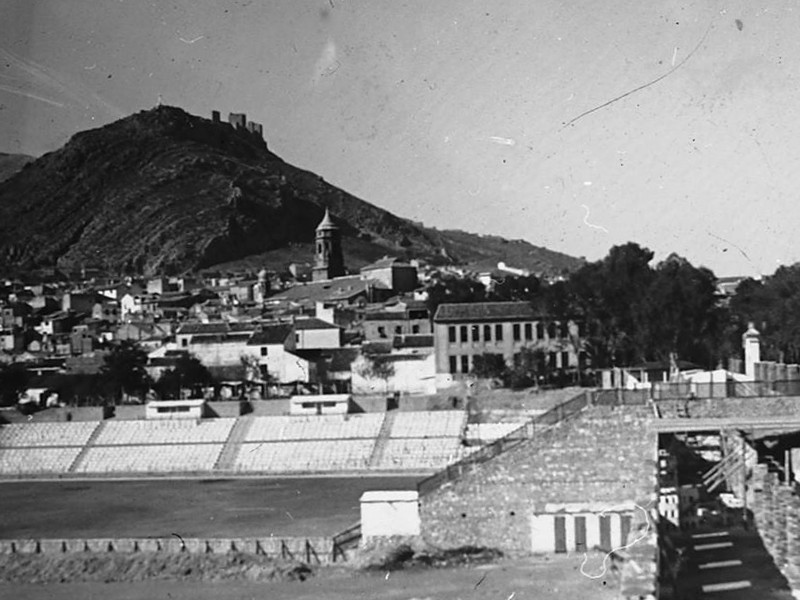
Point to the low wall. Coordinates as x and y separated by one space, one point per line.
129 412
316 550
234 408
269 408
58 414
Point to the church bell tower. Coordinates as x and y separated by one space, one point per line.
328 261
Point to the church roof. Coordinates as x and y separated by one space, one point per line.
327 222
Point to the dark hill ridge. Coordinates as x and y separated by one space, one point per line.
12 163
165 191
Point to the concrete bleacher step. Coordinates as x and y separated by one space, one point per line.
383 439
85 449
230 451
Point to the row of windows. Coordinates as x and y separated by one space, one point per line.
398 330
519 331
465 362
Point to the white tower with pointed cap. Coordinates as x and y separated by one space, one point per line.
328 261
752 350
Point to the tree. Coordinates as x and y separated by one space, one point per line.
773 305
450 288
123 371
528 366
609 295
377 367
489 366
14 380
516 288
682 315
188 373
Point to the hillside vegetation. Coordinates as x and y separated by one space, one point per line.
165 191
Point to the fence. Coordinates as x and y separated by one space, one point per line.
525 432
346 540
308 550
723 389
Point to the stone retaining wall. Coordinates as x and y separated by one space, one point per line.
776 515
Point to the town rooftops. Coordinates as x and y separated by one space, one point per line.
337 289
485 311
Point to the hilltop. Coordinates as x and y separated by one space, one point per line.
166 191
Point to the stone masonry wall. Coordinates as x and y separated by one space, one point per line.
605 455
776 515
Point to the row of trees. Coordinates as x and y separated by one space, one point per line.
122 374
633 312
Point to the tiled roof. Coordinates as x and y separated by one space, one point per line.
485 311
313 323
221 338
271 334
339 288
215 328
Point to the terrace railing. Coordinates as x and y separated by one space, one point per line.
722 389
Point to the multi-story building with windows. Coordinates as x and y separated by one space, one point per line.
463 331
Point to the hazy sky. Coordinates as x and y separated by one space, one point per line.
453 112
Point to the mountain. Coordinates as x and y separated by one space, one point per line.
12 163
163 191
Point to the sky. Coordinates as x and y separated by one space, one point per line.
572 124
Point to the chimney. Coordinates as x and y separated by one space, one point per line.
215 116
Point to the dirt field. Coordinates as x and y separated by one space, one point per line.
192 508
556 578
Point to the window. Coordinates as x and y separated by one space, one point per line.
476 333
263 350
415 329
487 333
565 360
184 342
308 405
515 332
528 331
453 364
297 338
382 332
398 329
553 359
498 332
463 332
451 334
465 364
539 331
564 329
551 330
172 409
328 404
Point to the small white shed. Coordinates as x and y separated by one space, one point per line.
389 513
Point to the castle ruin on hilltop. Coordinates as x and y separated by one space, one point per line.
240 123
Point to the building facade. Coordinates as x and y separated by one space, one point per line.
464 331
